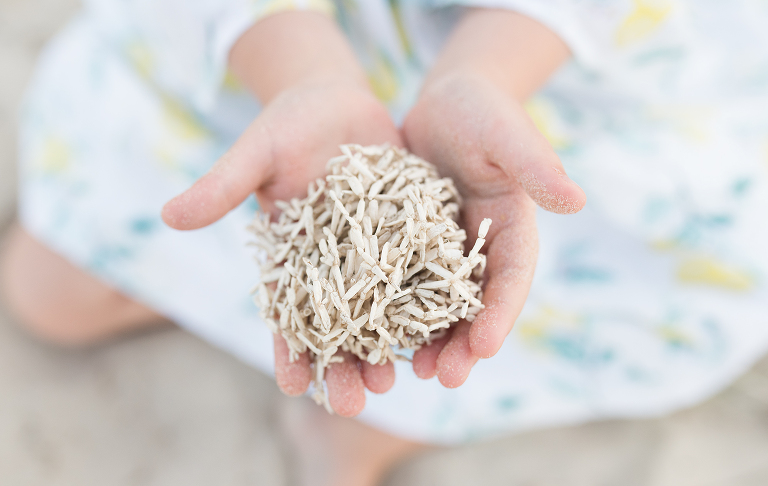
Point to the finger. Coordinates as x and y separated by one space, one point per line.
534 164
551 189
511 260
292 377
346 390
456 359
425 359
378 378
243 168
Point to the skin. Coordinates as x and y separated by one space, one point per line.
283 150
58 302
468 120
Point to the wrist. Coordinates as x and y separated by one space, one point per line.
446 80
513 52
294 48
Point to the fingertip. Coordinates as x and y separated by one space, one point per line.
295 378
482 340
183 211
172 216
425 359
349 409
553 190
378 378
292 378
209 199
503 303
573 201
424 365
167 215
456 359
346 390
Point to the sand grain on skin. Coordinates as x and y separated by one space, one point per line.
546 197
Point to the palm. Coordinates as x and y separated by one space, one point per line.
483 140
283 150
305 127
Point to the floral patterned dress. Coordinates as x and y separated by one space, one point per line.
651 299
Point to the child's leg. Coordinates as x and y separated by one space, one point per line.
59 302
64 305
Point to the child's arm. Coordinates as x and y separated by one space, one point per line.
511 50
315 98
284 50
470 122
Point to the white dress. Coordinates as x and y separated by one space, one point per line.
651 299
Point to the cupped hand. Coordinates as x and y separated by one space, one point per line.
482 138
284 149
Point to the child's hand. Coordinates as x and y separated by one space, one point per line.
306 117
285 148
475 130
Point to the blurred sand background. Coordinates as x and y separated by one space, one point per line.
164 408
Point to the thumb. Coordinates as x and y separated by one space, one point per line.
528 157
550 188
236 175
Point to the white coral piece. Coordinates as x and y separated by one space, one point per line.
370 262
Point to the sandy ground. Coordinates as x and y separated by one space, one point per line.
164 408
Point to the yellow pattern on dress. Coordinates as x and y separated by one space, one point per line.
693 122
536 327
140 55
709 271
230 83
382 78
55 156
181 121
645 18
275 6
546 120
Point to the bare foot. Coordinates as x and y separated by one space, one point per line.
329 450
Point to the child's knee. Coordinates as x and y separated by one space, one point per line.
51 298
